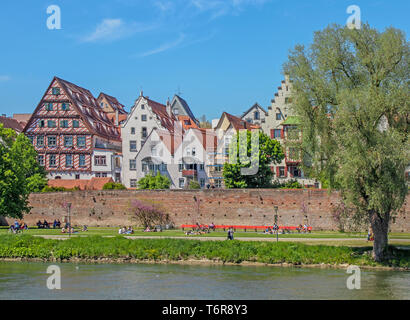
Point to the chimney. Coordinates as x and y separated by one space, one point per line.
141 94
116 117
169 108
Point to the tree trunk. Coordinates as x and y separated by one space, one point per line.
380 228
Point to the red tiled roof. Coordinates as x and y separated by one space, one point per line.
167 121
11 124
187 122
92 184
238 123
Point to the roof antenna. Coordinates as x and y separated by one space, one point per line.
141 92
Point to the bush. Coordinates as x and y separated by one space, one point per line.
154 182
114 186
148 215
193 184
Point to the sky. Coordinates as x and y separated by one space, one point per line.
219 55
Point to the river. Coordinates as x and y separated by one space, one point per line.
27 280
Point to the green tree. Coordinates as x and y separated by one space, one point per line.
20 173
113 186
154 182
193 184
351 92
270 152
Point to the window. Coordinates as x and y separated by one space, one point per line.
52 141
153 151
143 106
52 160
188 151
181 182
281 172
40 160
56 91
31 138
81 142
133 183
77 177
201 166
65 106
132 130
133 164
277 133
202 182
144 132
69 160
76 124
164 167
278 116
180 167
144 117
68 141
100 160
81 161
175 111
41 124
144 167
193 152
49 106
133 145
51 124
256 115
64 123
40 141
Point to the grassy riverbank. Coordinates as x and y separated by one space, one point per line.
97 247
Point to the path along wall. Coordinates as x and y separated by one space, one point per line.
231 207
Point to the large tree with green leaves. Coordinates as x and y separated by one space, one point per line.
351 92
20 173
268 152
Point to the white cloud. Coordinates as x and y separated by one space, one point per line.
4 78
164 47
113 29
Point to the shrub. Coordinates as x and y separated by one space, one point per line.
193 184
148 215
114 186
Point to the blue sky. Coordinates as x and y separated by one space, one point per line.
222 55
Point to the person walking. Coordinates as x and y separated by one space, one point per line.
230 234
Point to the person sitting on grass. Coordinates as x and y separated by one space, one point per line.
147 229
63 230
39 224
84 228
212 227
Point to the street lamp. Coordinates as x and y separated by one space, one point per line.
197 207
69 218
276 223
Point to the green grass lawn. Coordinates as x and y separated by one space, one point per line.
113 231
97 247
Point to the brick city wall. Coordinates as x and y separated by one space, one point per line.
231 207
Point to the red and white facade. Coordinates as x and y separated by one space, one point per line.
72 135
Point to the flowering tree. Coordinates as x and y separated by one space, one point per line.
148 215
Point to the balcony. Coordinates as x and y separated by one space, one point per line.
189 173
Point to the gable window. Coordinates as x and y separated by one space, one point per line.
133 164
132 130
188 151
175 111
76 124
68 141
52 160
81 161
133 145
51 124
81 142
65 106
52 141
56 91
40 141
256 115
49 106
278 116
144 117
193 152
143 106
41 124
144 132
69 160
100 160
154 151
64 123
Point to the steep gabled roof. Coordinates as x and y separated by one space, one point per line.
82 100
160 110
184 105
256 105
237 123
114 103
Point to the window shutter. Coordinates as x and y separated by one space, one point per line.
272 133
286 171
277 172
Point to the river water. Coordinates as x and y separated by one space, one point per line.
27 280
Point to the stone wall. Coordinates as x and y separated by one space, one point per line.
232 207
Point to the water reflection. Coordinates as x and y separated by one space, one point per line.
146 281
